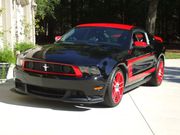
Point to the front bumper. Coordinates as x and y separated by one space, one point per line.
64 89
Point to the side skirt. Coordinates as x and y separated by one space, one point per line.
135 85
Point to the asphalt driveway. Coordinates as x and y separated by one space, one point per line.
143 111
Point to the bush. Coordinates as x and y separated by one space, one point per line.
23 46
4 67
7 55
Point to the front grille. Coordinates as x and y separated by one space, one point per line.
48 68
47 92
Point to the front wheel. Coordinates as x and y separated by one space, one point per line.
158 75
115 89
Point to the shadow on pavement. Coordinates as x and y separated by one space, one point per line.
8 96
172 74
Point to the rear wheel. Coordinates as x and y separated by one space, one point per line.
158 74
115 89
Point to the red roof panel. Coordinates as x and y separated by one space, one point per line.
109 25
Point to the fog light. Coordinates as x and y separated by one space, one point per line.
98 88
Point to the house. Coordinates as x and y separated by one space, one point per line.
17 19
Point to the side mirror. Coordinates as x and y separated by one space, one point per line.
159 39
140 44
57 38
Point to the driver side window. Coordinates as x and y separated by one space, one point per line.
139 36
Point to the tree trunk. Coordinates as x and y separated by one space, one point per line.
152 15
73 13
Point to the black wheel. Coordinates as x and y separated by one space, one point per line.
158 75
115 89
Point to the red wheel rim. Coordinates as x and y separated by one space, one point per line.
117 87
160 72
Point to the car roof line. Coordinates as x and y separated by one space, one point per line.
109 25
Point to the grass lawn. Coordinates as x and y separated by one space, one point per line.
172 54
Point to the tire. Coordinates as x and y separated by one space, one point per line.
158 75
115 89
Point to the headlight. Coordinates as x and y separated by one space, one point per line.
19 60
90 70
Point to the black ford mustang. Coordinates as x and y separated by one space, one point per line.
92 63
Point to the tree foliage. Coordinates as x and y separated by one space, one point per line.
46 8
160 17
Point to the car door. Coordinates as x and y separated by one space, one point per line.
142 60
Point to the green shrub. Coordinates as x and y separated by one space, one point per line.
7 55
3 74
23 46
4 70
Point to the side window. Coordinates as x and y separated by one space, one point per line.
139 36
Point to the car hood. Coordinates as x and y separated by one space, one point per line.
76 54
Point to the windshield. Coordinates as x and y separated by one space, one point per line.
97 35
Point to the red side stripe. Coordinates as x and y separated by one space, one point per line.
146 73
130 63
